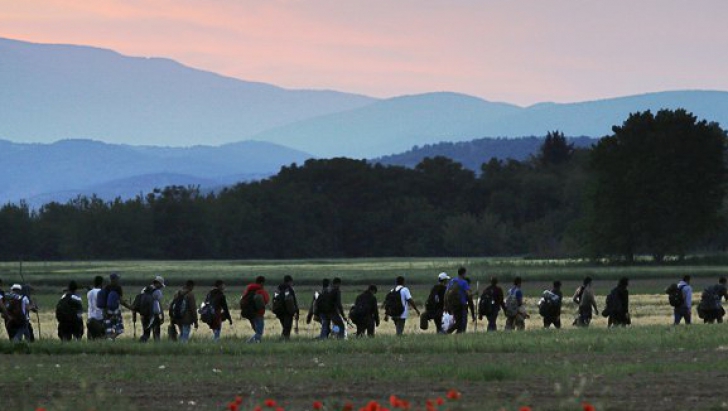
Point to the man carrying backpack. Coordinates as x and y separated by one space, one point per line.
584 297
69 313
711 308
331 311
458 299
150 309
95 315
516 314
435 304
550 306
365 312
397 303
285 306
313 311
491 303
256 296
183 311
617 305
682 305
17 306
216 302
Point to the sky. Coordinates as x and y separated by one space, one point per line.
521 52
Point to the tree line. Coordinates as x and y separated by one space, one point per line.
655 186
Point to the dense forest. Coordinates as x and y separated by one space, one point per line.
656 186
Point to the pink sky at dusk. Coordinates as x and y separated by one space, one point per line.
521 52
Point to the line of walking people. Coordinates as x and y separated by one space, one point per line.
449 305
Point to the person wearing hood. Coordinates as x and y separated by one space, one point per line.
261 298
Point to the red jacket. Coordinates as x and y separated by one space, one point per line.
260 291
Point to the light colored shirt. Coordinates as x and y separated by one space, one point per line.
687 292
405 295
93 311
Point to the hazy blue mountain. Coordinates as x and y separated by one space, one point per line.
62 170
596 118
392 125
53 92
472 154
398 124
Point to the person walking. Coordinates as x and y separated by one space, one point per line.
491 303
584 297
458 300
258 298
69 313
550 306
221 312
331 311
285 307
516 314
183 312
151 310
95 315
710 308
683 311
16 320
365 312
397 305
435 304
617 305
313 311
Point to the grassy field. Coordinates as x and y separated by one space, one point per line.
645 366
639 368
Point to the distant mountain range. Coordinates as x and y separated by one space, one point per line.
40 173
398 124
164 123
54 92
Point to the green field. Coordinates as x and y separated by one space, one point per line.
645 366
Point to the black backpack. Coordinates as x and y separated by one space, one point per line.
487 304
433 303
144 302
66 310
282 303
612 304
248 307
178 308
14 308
360 309
675 295
325 303
393 306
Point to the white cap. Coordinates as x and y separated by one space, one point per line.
443 276
17 287
159 280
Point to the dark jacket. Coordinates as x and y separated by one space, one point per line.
190 315
285 288
370 308
218 301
